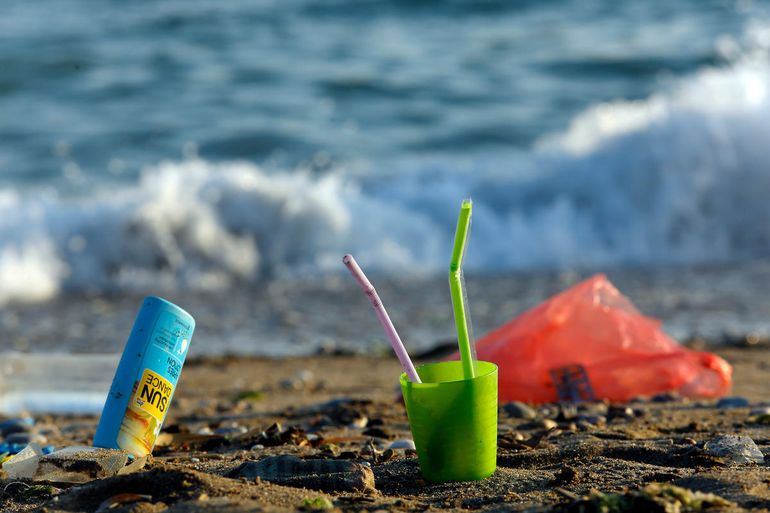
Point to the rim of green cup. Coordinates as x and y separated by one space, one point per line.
404 379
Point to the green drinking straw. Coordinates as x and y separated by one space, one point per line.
457 291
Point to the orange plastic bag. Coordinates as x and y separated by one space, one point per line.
592 331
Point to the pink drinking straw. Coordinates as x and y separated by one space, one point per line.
382 315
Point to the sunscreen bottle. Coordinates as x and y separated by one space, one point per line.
144 382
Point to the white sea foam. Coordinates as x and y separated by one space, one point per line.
682 176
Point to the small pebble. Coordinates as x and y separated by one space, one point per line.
567 412
360 422
305 375
548 424
737 449
732 402
231 430
257 447
290 384
204 431
621 412
297 382
376 432
48 430
539 424
592 408
549 411
519 410
75 427
402 444
195 460
596 420
763 410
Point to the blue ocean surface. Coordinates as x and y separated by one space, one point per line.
203 144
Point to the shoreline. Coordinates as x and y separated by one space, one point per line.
291 318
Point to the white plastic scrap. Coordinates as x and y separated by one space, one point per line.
25 463
70 465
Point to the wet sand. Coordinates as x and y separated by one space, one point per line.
345 408
290 318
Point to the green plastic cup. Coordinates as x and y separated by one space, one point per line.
453 421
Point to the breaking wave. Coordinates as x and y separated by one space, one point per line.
681 176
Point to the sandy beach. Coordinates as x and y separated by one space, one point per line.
229 411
